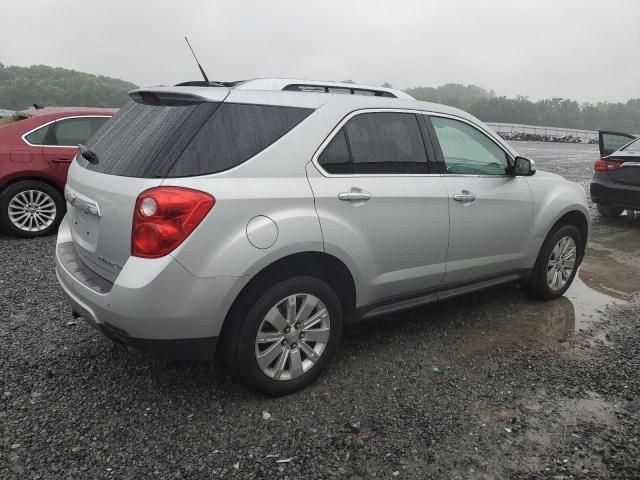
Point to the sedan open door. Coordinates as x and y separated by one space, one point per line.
610 142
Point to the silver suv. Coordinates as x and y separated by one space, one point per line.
263 216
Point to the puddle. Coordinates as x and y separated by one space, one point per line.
610 277
534 324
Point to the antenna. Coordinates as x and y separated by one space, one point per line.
204 75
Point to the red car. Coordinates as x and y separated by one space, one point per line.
36 148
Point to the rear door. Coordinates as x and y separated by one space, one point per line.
609 142
381 207
62 139
491 211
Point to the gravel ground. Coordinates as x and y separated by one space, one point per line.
489 386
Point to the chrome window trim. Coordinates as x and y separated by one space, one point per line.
346 118
24 137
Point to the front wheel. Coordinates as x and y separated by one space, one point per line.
287 337
610 211
557 263
30 209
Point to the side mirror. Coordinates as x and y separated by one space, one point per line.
524 167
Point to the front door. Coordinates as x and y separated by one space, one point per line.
491 211
381 209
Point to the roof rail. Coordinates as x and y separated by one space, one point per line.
297 85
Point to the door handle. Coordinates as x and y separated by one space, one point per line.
465 196
355 195
62 160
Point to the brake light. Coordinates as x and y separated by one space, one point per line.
164 217
606 165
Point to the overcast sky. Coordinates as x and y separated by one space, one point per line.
587 50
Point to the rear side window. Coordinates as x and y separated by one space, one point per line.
377 143
187 139
72 131
37 136
234 134
335 158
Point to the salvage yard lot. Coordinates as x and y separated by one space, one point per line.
492 385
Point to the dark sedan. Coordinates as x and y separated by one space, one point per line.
616 181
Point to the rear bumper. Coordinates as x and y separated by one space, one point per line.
607 193
153 305
190 349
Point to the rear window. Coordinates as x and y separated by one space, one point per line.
13 118
186 140
633 146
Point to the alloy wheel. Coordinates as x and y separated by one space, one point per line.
32 211
292 336
561 263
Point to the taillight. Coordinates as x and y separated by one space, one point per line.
606 165
164 217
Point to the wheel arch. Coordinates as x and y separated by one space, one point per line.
579 219
311 263
32 178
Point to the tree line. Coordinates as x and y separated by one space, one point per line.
554 112
21 87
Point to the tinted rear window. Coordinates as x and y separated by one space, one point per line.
633 146
185 140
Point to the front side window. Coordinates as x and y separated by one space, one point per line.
466 150
72 131
377 143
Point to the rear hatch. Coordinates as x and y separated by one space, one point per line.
161 134
135 151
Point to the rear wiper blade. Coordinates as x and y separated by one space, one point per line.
88 155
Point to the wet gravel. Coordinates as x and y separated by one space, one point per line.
489 386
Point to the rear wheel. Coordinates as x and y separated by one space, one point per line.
557 263
30 209
609 211
286 337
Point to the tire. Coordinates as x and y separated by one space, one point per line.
242 349
539 283
47 204
610 212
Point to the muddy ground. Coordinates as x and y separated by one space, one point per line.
489 386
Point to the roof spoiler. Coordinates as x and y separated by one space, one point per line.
166 96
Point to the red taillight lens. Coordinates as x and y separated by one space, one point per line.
605 165
164 217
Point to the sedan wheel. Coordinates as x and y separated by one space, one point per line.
30 208
292 336
32 211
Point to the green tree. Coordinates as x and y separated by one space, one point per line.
21 87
